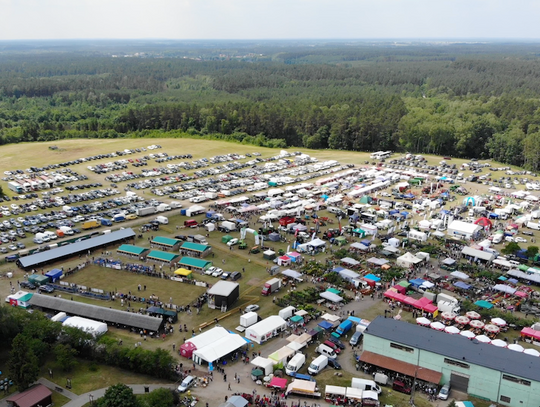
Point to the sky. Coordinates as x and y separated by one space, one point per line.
269 19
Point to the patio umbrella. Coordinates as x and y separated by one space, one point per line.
467 334
473 315
462 320
423 321
483 339
516 347
492 328
437 326
499 343
476 324
498 321
532 352
449 316
451 330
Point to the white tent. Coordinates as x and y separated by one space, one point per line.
334 390
292 274
354 393
265 329
281 355
460 275
348 275
394 242
358 246
265 364
330 318
88 325
464 229
218 349
407 260
208 337
350 261
331 296
478 254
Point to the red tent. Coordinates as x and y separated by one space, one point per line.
409 301
187 349
400 289
278 383
484 222
431 308
530 332
422 302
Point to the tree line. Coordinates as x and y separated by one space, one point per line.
466 100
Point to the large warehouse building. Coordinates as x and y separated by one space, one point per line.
482 370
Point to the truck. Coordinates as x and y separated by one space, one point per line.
148 210
105 222
271 286
175 205
287 312
67 230
227 226
447 303
344 327
211 195
163 207
90 224
162 219
119 217
248 319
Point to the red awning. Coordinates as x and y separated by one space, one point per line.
530 332
278 383
395 365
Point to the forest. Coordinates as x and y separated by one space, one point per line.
471 100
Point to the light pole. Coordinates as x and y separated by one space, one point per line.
411 401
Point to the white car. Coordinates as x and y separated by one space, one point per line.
509 239
217 272
210 270
232 242
186 384
252 308
519 239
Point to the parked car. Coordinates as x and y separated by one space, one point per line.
252 308
337 342
186 384
445 392
46 288
29 285
334 363
232 242
217 272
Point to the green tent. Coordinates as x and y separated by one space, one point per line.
484 304
404 283
38 279
341 241
359 232
365 199
226 238
296 319
523 267
334 291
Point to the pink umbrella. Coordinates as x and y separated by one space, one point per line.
451 330
449 316
473 315
475 323
462 320
467 334
437 326
492 328
499 343
483 339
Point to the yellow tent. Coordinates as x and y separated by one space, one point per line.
183 272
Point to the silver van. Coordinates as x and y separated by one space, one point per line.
326 351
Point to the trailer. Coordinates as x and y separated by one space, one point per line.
148 210
271 286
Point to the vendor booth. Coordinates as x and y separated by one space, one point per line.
54 275
266 329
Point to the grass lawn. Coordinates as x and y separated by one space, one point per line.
59 399
88 376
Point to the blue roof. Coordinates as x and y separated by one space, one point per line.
338 269
74 248
325 325
372 277
461 284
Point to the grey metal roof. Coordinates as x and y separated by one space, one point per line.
97 313
74 248
456 347
223 288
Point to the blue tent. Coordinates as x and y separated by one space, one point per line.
408 196
372 277
502 278
462 285
493 216
54 275
355 320
393 212
417 282
325 325
405 213
338 269
445 212
366 242
325 197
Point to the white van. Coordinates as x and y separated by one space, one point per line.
326 351
498 237
533 225
295 363
162 219
365 384
317 365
